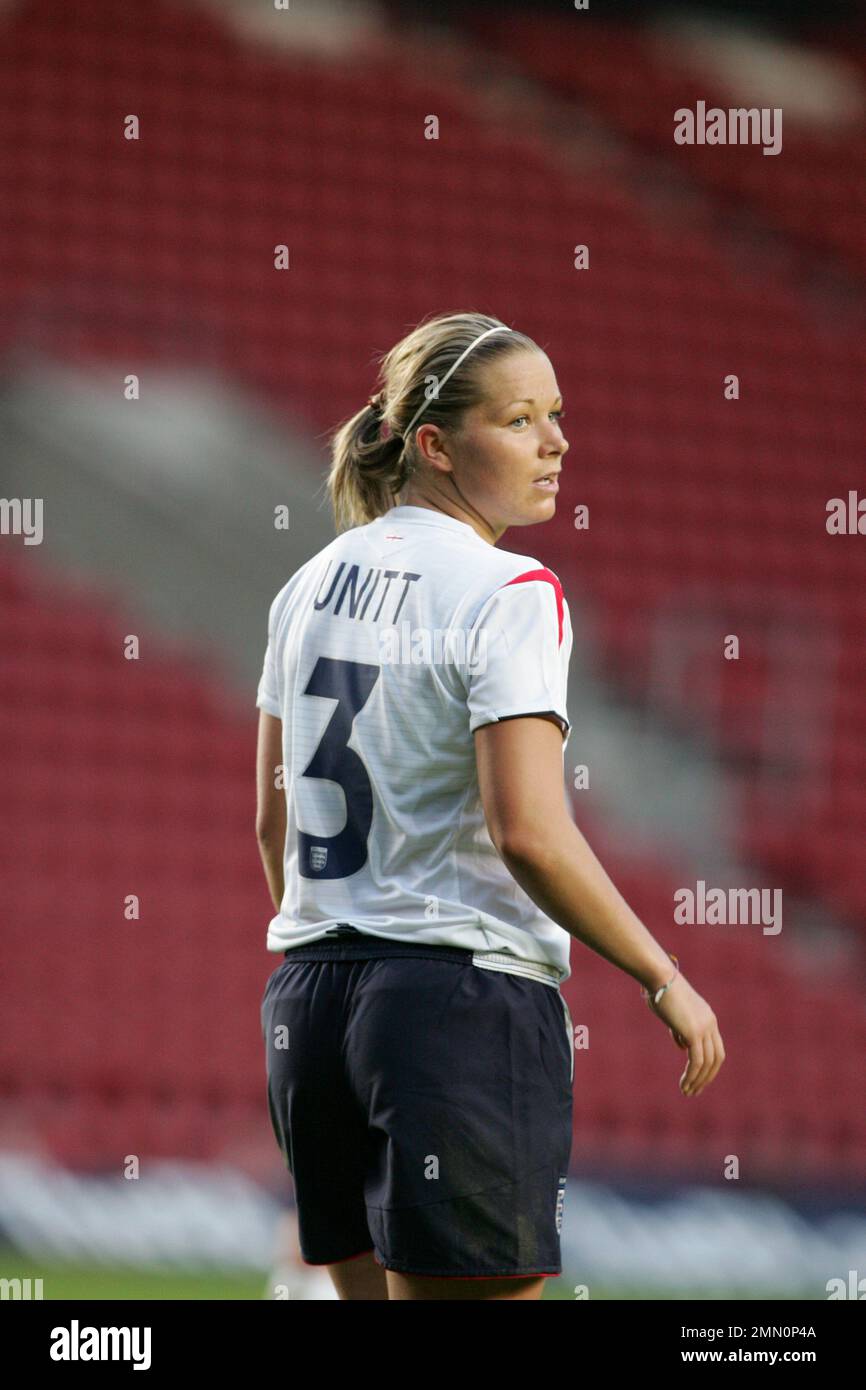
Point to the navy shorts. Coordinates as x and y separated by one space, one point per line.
423 1105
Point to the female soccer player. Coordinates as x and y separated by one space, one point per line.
412 820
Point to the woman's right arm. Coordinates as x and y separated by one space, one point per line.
520 776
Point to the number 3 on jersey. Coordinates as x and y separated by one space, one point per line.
338 856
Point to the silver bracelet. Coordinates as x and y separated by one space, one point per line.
653 998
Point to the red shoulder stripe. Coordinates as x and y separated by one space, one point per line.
550 578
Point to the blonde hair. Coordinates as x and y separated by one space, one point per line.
368 469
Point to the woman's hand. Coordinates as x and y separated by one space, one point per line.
693 1026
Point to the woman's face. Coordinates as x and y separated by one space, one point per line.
502 466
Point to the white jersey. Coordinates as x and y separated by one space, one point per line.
385 652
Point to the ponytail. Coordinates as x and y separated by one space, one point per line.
368 471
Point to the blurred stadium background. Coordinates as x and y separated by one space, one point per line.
154 258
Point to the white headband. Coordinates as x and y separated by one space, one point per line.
500 328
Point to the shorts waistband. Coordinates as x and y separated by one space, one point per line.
515 965
365 946
373 947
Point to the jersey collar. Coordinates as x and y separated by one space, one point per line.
425 516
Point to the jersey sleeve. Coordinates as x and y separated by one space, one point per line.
268 695
518 652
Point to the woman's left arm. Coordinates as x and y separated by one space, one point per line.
271 803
